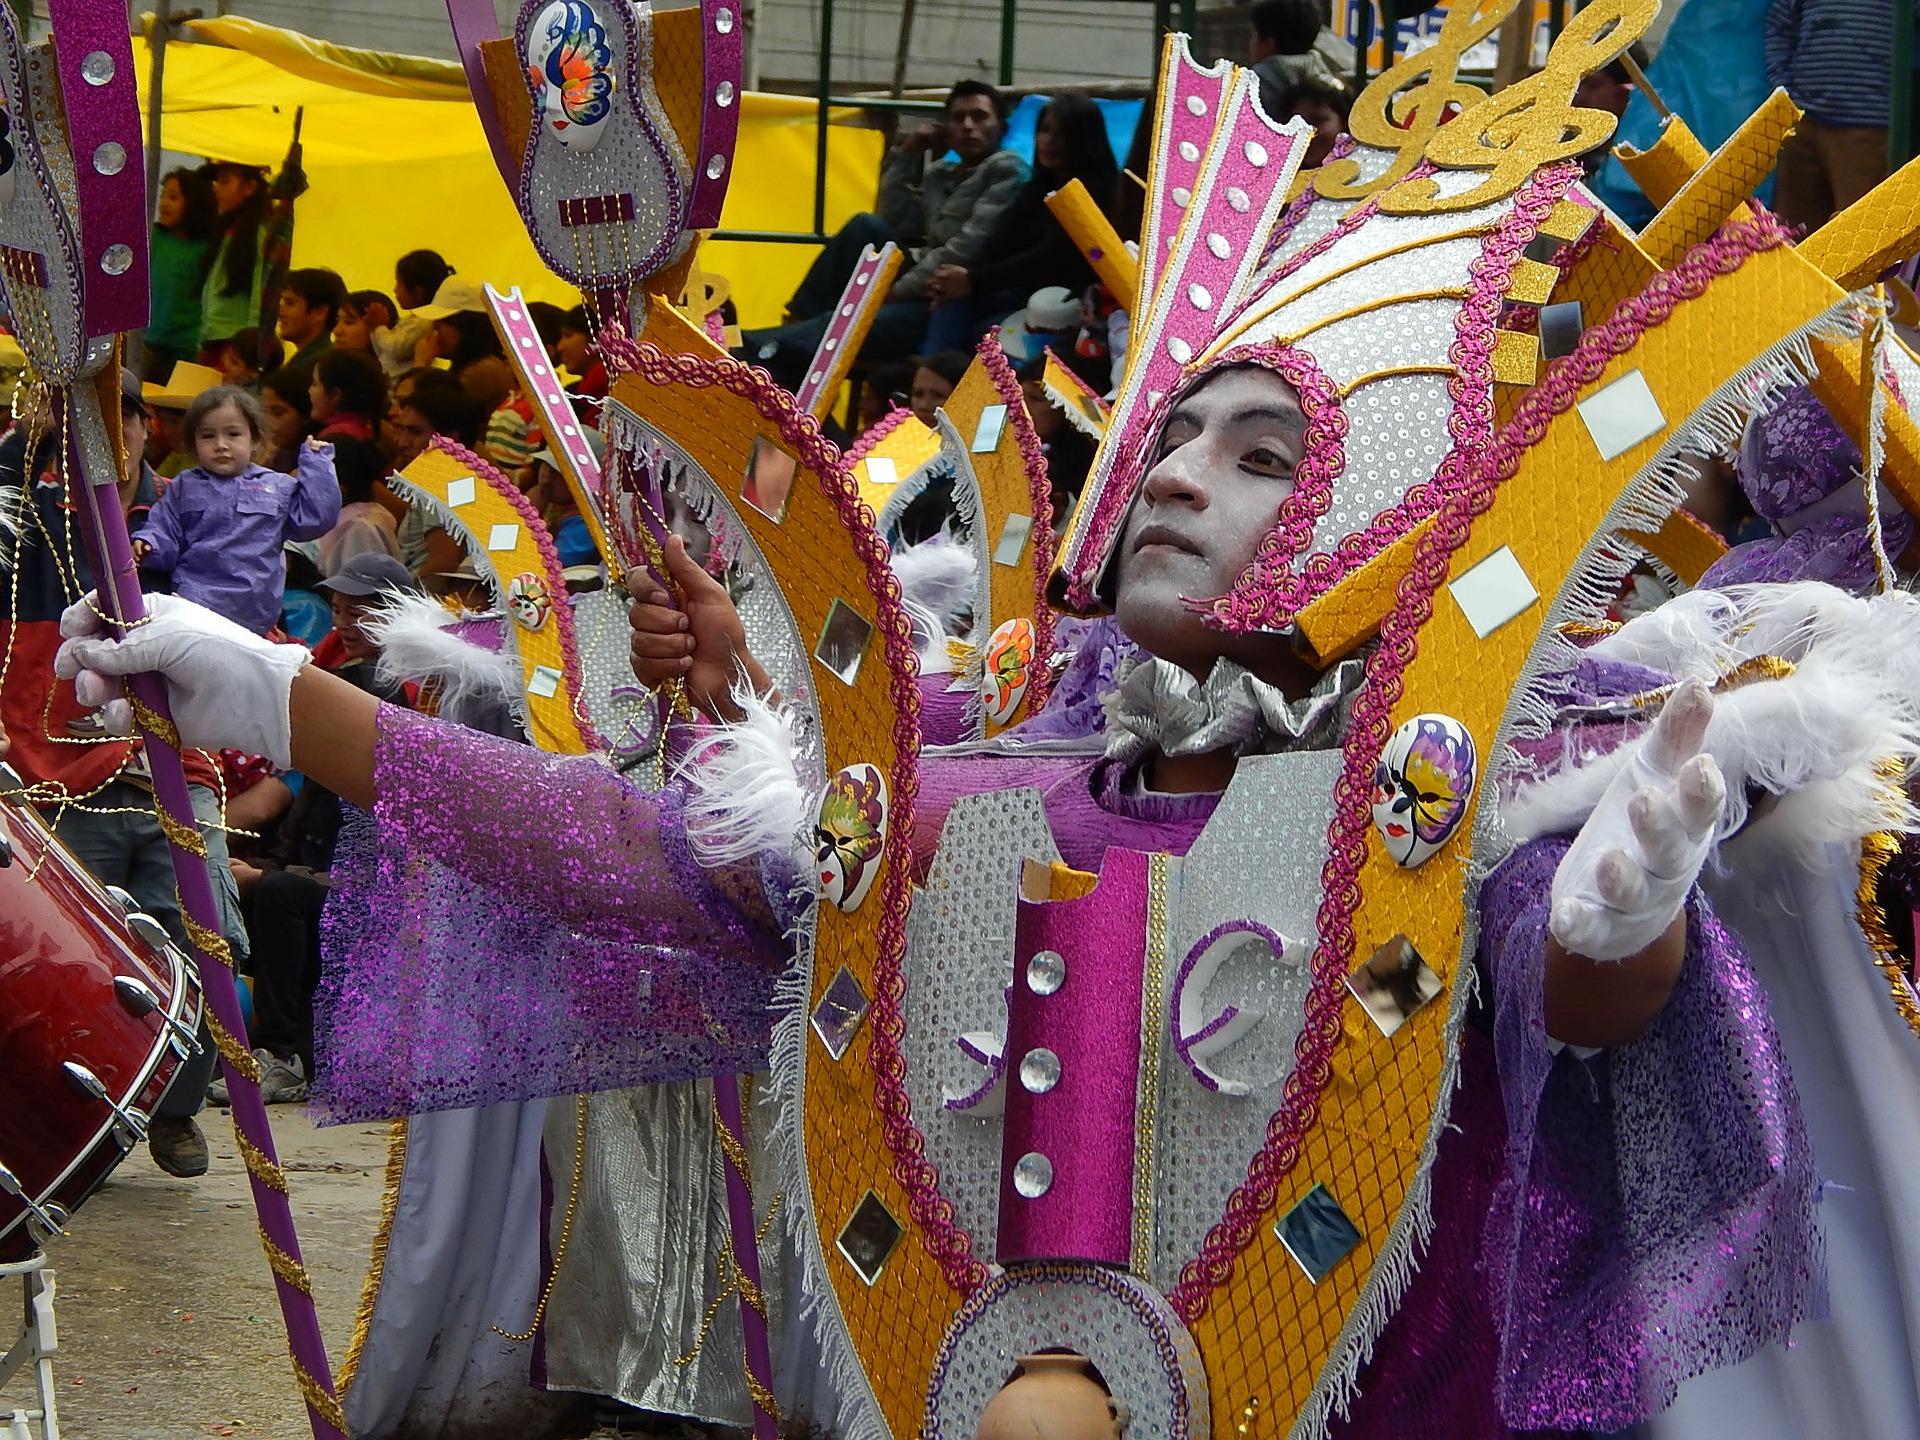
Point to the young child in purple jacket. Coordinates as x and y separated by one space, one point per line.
221 527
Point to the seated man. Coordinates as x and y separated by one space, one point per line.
940 211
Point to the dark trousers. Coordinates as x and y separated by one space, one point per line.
283 922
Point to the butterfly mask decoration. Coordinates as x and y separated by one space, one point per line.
571 66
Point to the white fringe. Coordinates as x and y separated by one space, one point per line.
745 797
15 533
416 640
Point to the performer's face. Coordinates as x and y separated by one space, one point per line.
1225 462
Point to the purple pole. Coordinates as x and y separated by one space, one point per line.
746 1258
111 555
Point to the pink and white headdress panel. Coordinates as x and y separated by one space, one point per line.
1384 324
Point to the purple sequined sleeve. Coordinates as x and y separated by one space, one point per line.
512 924
1655 1215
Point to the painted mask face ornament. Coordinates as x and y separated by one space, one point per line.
849 834
1009 664
528 601
1421 787
9 159
571 66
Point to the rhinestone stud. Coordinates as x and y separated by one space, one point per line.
110 157
1180 350
1032 1175
1217 243
1256 154
1040 1071
97 68
716 167
723 94
1046 972
117 259
723 20
1189 151
1201 298
1196 106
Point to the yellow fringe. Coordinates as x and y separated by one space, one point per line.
377 1262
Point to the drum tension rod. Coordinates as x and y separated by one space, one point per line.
50 1218
131 1120
138 999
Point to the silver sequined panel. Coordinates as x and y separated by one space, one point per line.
624 162
959 963
1148 1360
1259 859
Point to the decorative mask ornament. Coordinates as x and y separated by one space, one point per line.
1421 787
849 833
528 601
8 158
1007 668
571 67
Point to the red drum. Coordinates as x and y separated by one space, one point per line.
97 1011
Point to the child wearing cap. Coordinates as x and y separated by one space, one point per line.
221 526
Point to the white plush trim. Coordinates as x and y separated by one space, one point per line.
416 640
745 796
938 575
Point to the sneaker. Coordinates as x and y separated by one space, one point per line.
177 1146
283 1080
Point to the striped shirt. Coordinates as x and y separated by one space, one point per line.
1834 57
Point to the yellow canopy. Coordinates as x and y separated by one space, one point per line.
397 161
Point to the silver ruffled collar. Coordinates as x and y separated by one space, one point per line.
1159 707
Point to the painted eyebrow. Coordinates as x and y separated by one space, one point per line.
1279 415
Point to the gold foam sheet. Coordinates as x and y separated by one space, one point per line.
1005 491
1873 234
486 518
1722 186
1267 1330
1088 227
1686 546
896 1323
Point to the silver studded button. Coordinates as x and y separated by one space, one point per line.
716 167
97 68
1040 1070
110 157
1032 1175
723 20
117 259
1046 972
723 94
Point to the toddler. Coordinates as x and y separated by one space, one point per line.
221 526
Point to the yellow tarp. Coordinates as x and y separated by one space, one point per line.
391 175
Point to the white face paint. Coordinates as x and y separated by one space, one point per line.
571 67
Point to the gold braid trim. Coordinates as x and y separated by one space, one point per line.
319 1399
179 832
208 942
239 1059
762 1397
1876 851
257 1163
286 1267
153 722
377 1263
736 1153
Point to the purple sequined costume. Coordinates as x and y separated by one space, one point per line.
1605 1228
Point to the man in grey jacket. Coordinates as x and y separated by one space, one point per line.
944 191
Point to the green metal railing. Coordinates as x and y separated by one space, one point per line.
1166 15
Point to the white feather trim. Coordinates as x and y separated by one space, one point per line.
938 575
746 797
416 640
1818 738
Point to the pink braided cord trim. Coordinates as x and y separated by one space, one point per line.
1271 592
931 1211
1347 835
561 612
1040 502
875 433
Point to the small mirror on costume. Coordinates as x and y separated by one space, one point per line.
986 435
843 641
869 1237
1317 1233
768 483
836 1019
1393 984
1013 539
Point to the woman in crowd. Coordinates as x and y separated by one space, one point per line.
1030 250
234 268
182 231
365 312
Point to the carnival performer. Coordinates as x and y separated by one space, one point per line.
220 528
1631 957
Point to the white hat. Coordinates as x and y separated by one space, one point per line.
455 296
1050 312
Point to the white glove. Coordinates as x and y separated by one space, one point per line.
229 688
1627 874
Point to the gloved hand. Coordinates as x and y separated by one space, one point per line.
229 687
1628 871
